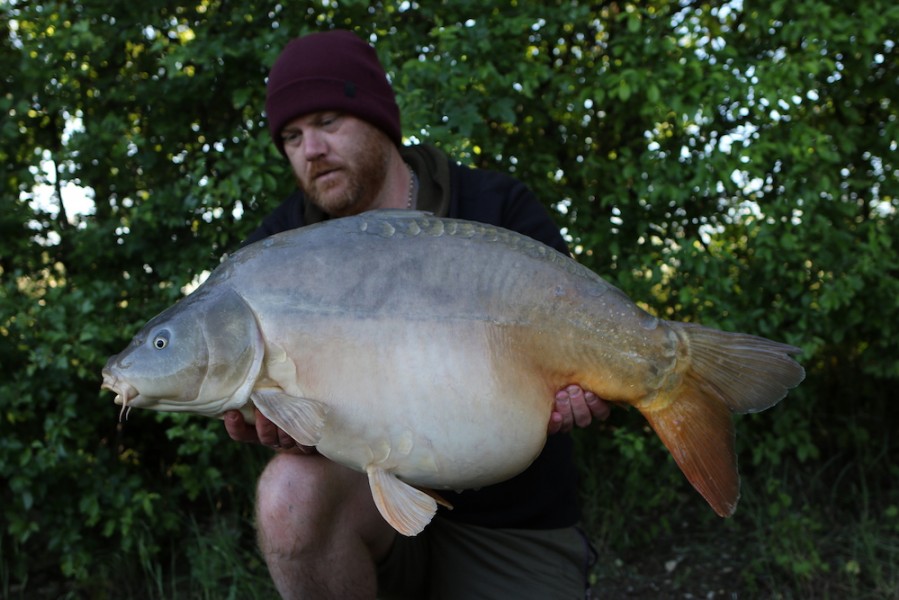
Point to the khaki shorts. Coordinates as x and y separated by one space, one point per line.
452 561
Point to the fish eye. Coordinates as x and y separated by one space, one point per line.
161 340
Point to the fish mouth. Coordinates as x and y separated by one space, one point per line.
125 393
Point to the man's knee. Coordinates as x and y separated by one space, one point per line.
290 486
308 491
305 499
290 509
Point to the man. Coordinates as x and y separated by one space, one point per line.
332 113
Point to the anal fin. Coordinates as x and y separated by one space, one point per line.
698 430
303 419
406 508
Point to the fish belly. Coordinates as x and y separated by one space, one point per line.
438 404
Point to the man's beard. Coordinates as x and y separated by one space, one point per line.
363 173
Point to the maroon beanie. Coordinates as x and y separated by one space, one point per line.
332 70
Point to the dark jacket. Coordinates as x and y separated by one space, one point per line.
543 496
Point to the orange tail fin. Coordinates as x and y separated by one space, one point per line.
718 373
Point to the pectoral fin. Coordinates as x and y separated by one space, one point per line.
303 419
405 508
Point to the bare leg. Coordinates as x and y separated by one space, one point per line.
318 528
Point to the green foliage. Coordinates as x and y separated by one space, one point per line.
625 462
722 163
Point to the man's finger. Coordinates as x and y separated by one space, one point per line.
598 408
238 429
580 412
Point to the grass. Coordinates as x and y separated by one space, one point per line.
218 562
852 559
215 560
804 529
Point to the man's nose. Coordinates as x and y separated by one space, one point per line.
314 145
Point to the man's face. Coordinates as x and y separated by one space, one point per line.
340 161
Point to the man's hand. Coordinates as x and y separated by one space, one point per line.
263 432
573 407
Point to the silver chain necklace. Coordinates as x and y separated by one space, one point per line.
413 180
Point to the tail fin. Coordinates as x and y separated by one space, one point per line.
719 373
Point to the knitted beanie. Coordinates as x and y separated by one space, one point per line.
332 70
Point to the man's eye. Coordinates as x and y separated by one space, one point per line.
290 136
328 120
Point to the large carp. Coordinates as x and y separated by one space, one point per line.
426 352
